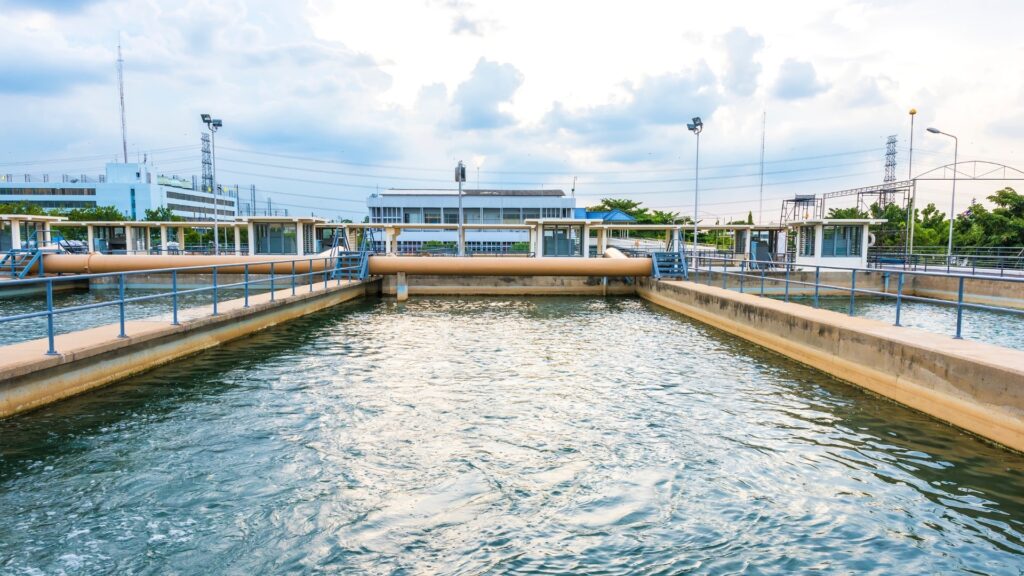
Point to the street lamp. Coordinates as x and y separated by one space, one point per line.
696 127
952 207
213 124
460 177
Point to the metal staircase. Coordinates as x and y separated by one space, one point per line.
669 265
351 266
18 262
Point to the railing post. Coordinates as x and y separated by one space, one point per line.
309 273
853 289
325 274
743 270
899 297
214 290
959 307
724 276
120 291
787 282
293 277
817 284
174 297
245 284
762 281
51 351
272 282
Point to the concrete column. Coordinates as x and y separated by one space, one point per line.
402 287
668 239
129 242
15 233
181 237
90 237
864 246
461 242
585 241
602 241
299 248
238 240
252 238
47 235
539 230
163 239
819 234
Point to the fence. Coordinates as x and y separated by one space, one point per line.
762 272
344 266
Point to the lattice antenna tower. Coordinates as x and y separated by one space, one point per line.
890 160
120 86
207 164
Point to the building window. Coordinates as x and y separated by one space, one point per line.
511 216
492 216
413 216
431 215
451 215
531 213
472 215
841 241
552 212
47 191
807 240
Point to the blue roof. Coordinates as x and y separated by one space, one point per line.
615 215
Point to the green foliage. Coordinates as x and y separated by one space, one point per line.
162 214
520 247
21 208
99 213
846 213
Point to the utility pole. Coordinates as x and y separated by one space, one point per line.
120 86
760 191
213 124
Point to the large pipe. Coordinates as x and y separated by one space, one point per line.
444 266
96 263
508 266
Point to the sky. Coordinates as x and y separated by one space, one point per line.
325 102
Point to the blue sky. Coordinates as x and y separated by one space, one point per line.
324 102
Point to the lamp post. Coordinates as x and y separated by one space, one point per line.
213 124
911 211
460 177
952 206
696 127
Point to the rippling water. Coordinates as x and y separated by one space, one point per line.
469 436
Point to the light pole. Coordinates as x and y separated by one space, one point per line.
460 177
911 211
213 124
696 127
952 206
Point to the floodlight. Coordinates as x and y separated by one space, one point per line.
935 131
205 118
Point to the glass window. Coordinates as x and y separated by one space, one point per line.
492 215
451 215
413 216
841 241
472 215
511 216
552 212
807 240
432 215
531 213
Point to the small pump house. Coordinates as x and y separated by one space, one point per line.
833 242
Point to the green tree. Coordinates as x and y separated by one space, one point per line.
21 208
162 214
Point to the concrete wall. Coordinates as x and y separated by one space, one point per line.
519 285
978 387
96 357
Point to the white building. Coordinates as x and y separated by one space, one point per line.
841 243
426 206
131 188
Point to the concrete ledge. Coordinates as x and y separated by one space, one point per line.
975 386
422 285
91 358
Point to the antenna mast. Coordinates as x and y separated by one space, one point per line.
120 85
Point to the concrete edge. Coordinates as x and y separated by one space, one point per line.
990 422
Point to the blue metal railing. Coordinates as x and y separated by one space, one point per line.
760 273
356 269
669 265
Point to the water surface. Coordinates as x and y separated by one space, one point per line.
499 435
